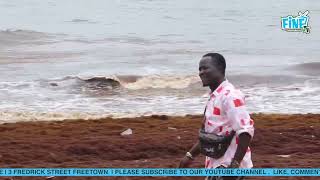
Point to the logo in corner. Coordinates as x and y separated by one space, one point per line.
296 23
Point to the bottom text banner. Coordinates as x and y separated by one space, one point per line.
158 172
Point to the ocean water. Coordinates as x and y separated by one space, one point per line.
126 58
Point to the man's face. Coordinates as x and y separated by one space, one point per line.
208 72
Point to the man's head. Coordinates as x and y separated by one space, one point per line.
212 68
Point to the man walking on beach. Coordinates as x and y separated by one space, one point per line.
226 122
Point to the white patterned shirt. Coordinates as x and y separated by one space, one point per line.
226 112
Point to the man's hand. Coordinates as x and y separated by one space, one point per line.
185 162
194 151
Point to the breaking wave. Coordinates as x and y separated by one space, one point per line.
311 68
92 97
134 82
18 36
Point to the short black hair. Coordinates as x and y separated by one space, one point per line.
218 61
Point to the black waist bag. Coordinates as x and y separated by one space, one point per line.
213 145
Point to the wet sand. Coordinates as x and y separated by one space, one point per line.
157 141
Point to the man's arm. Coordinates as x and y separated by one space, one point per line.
241 123
194 151
244 142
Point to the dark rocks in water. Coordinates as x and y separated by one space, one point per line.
103 82
53 84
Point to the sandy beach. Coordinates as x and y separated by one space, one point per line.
157 141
